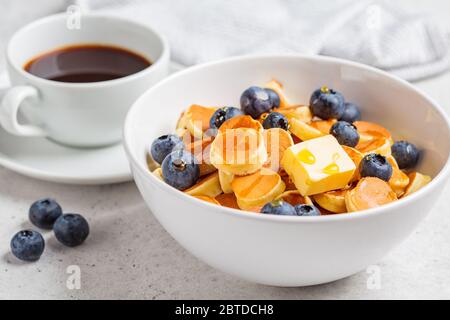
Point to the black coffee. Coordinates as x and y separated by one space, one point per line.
87 63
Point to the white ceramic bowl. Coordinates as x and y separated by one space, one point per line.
289 251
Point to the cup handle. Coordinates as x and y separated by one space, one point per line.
9 109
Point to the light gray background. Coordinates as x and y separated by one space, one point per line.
129 255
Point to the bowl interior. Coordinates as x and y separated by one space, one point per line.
392 103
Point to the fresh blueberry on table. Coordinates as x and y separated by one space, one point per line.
43 213
279 207
255 101
406 154
164 145
180 169
345 133
27 245
274 98
327 104
276 120
375 165
223 114
306 210
71 229
351 113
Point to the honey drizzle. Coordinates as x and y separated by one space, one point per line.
306 156
331 169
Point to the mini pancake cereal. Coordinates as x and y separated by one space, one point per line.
272 155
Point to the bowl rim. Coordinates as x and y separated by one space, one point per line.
396 205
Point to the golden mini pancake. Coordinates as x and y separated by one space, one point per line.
152 165
208 186
301 113
208 199
356 157
294 197
276 140
304 131
373 129
197 119
158 173
225 180
370 192
186 136
239 151
370 131
323 126
201 150
241 122
278 88
392 161
399 180
333 201
379 145
258 188
354 154
416 182
181 122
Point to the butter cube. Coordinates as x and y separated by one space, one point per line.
318 165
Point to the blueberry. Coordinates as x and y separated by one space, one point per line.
306 210
351 113
276 120
406 154
71 229
255 101
27 245
327 104
375 165
164 145
318 92
223 114
43 213
274 98
180 169
279 207
345 133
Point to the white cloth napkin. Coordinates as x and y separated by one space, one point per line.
372 32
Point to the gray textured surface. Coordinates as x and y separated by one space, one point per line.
129 255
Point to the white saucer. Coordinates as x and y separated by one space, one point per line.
45 160
42 159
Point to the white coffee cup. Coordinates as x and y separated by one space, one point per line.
77 114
